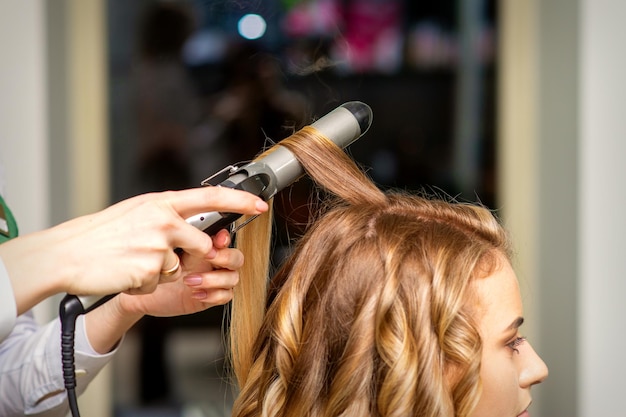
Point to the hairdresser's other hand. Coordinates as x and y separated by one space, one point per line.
123 248
206 282
107 324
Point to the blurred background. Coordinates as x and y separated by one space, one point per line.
514 104
195 85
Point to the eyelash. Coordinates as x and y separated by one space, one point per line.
515 343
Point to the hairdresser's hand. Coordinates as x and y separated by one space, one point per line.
206 282
123 248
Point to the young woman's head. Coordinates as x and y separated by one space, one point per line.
390 305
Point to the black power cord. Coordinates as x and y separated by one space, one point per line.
70 308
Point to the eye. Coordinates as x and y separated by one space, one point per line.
515 343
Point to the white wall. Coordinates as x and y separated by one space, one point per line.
23 118
53 121
562 131
602 220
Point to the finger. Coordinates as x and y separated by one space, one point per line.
147 288
195 264
221 239
214 297
212 280
171 268
227 258
191 240
207 199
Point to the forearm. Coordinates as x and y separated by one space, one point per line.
107 324
35 265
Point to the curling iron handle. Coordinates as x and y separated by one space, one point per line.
213 222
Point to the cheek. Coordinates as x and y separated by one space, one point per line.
500 388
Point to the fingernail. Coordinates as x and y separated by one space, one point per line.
199 295
212 254
192 280
261 205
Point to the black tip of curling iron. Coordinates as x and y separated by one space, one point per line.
362 112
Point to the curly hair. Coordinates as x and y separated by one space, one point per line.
373 314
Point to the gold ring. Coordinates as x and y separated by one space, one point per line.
172 270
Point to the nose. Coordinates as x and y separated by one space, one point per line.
533 368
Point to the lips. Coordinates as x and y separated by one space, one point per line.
525 412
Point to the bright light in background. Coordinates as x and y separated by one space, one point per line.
251 26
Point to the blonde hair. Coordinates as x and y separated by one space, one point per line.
371 315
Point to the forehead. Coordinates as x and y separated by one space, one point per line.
499 300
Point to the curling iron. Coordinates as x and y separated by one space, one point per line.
272 173
264 177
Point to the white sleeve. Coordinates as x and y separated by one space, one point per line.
31 377
8 308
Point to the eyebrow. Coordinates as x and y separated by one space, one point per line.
516 323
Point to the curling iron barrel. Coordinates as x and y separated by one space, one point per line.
277 170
